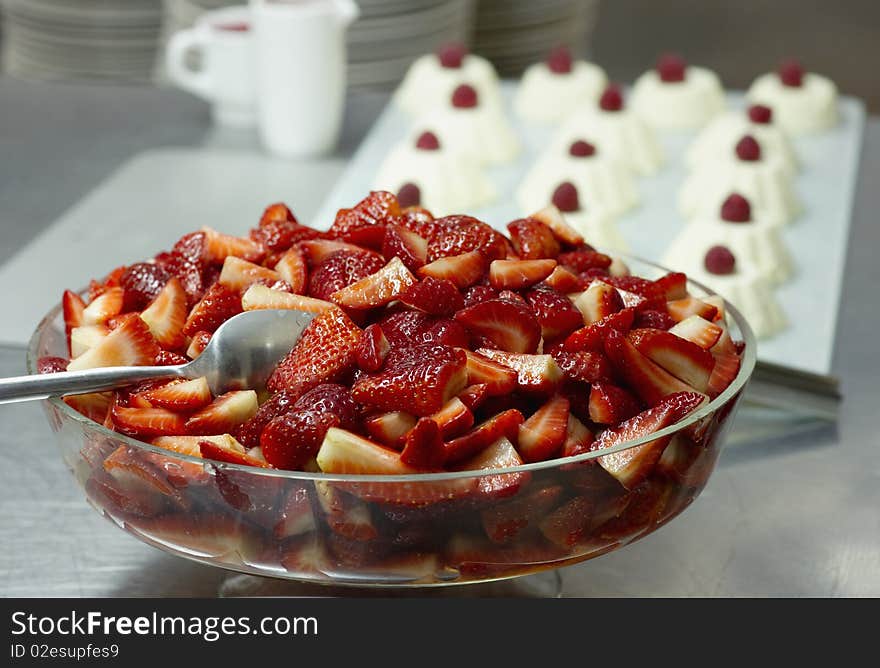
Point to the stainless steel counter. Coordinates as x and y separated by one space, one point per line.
797 516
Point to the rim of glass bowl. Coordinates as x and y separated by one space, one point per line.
747 365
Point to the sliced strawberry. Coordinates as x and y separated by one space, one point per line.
224 414
318 251
322 355
189 445
680 309
185 397
198 343
219 537
565 281
341 269
476 294
610 404
503 522
372 349
532 239
685 360
134 472
653 319
168 358
51 364
377 289
725 344
464 270
542 435
583 260
725 370
497 455
519 274
423 446
106 492
553 218
278 230
239 275
293 268
461 234
345 515
509 326
345 452
436 296
85 337
147 422
262 297
556 313
332 398
578 438
587 366
503 425
406 328
297 515
592 337
650 381
474 395
72 307
672 285
598 301
141 282
698 330
130 344
480 558
104 307
292 440
167 314
95 405
375 209
218 453
216 307
497 378
718 302
632 465
535 374
390 428
454 418
218 246
569 523
400 242
419 380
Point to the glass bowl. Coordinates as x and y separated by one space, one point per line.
430 529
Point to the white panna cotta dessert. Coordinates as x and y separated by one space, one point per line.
430 80
551 90
615 131
677 96
722 134
424 173
767 185
602 180
803 102
596 225
474 130
759 248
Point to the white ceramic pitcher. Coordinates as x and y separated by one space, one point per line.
300 60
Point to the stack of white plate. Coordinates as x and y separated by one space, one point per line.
513 34
70 39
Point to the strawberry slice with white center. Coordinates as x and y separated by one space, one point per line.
104 306
132 471
564 281
185 397
553 218
293 268
610 404
411 248
95 405
219 453
592 337
556 313
297 516
423 446
72 306
724 345
130 344
218 246
535 374
685 360
318 250
224 414
198 344
672 286
577 438
718 302
259 297
508 325
464 270
725 370
372 349
85 337
215 307
599 301
189 445
519 274
454 418
345 452
501 425
147 422
542 435
166 315
649 380
680 309
697 330
503 522
344 514
390 428
239 275
376 289
498 455
497 378
631 466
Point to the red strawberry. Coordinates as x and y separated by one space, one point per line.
507 325
502 425
324 353
498 454
633 465
134 473
680 309
725 370
341 269
577 438
588 366
542 435
239 275
223 538
497 378
372 349
535 374
400 242
168 358
190 395
513 297
532 239
291 440
166 315
672 285
584 260
598 301
216 307
464 270
103 307
683 359
592 337
218 246
141 283
407 328
262 297
297 516
423 446
130 344
294 269
72 308
278 404
199 342
474 395
477 294
218 453
646 378
454 418
565 281
49 364
419 380
556 314
278 230
147 422
698 330
569 523
332 398
96 288
437 296
553 218
519 274
345 516
460 234
317 251
390 428
503 522
375 209
418 220
95 406
224 414
653 319
610 404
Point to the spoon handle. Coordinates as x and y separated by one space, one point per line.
25 388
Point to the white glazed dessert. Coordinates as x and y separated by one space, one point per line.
677 96
423 173
758 247
722 134
767 185
430 80
615 131
604 182
803 102
551 90
597 226
474 130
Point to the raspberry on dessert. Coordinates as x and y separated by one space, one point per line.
748 149
409 195
451 56
791 73
611 99
559 60
581 149
565 197
760 114
464 97
719 260
671 68
427 141
736 209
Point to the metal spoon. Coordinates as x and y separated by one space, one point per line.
240 355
